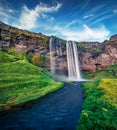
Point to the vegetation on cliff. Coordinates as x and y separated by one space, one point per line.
14 36
21 81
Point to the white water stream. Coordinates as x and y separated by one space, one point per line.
72 61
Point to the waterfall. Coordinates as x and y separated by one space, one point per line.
52 60
72 61
57 60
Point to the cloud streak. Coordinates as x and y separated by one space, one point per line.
5 15
71 23
88 16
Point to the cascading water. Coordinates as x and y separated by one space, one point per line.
57 60
72 61
52 61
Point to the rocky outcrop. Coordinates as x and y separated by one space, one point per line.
113 38
22 40
101 58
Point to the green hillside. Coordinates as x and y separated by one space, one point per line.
21 81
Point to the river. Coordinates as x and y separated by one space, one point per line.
57 111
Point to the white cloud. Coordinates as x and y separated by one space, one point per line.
99 33
86 34
29 17
90 34
115 11
10 10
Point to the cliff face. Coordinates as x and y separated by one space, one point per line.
93 56
101 56
31 43
22 40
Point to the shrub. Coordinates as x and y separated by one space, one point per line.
39 60
12 50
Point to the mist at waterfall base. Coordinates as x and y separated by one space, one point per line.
57 52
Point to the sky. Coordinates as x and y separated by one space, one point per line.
77 20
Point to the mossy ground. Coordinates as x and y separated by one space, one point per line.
100 104
21 81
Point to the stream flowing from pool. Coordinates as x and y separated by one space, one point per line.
57 111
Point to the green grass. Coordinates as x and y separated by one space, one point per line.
21 81
107 73
100 104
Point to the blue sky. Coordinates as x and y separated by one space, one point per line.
79 20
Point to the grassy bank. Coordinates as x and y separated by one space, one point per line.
21 81
100 104
109 72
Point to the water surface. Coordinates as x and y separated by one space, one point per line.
57 111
